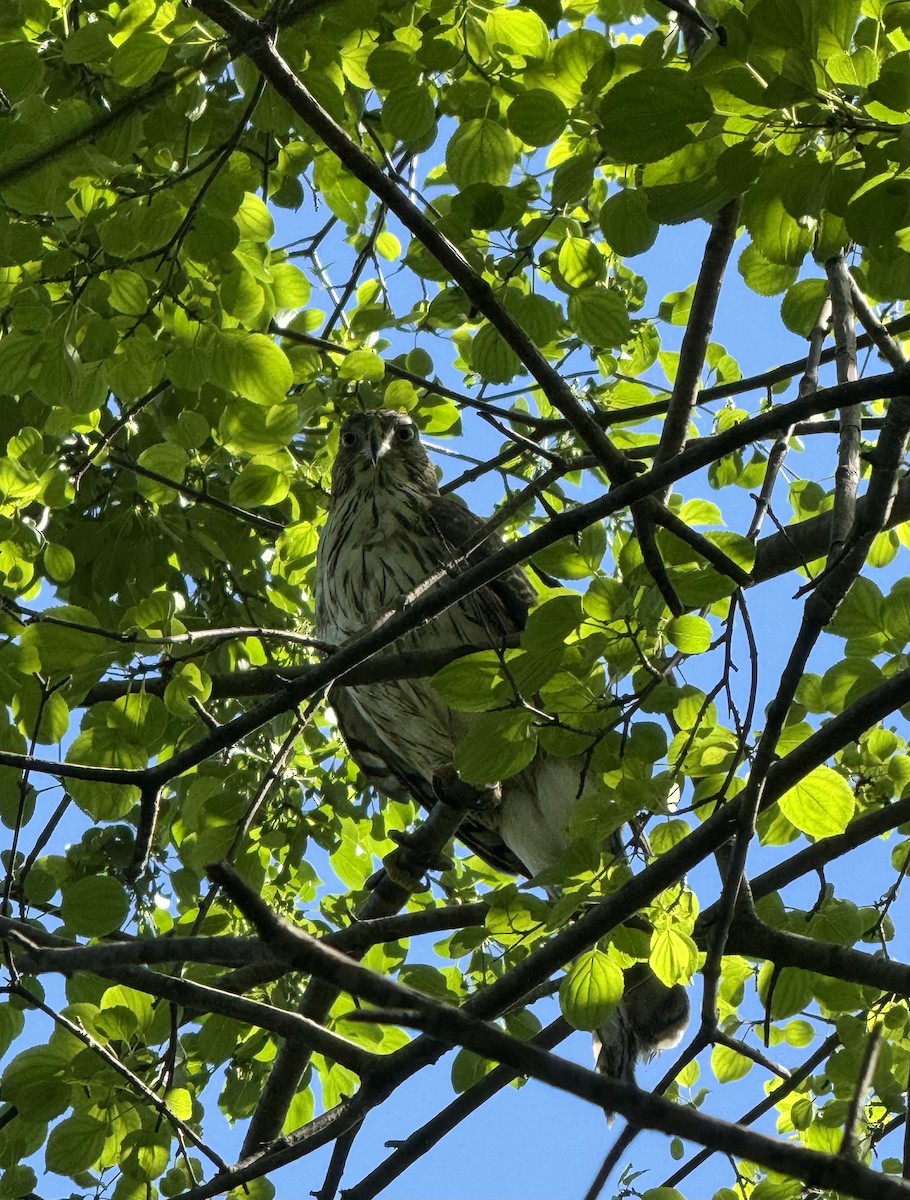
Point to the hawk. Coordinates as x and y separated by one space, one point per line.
388 529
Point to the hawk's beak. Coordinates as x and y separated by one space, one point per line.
374 446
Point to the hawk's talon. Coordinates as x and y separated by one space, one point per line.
442 862
397 870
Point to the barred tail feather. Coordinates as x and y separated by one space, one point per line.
651 1018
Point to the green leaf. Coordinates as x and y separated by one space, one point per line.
188 683
884 548
408 113
469 1068
763 277
16 1182
548 625
362 364
253 220
392 65
821 804
673 956
862 610
499 746
481 151
12 1023
180 1102
728 1065
626 222
779 237
701 512
539 317
537 117
598 315
802 305
260 483
607 600
676 306
46 718
580 262
786 992
63 647
799 1033
128 292
573 180
58 563
515 918
351 863
255 1189
492 357
647 115
690 634
136 1010
147 1153
139 59
164 459
95 905
34 1082
517 31
473 684
591 990
75 1145
849 679
251 365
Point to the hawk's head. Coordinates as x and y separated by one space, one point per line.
382 449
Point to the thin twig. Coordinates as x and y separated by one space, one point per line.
846 477
797 1077
808 385
886 345
698 333
849 1144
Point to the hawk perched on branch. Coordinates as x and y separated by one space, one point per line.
388 529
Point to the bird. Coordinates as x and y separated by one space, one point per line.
388 529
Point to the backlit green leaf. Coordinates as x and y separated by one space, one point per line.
591 990
74 1145
690 634
95 905
481 151
537 117
498 746
821 804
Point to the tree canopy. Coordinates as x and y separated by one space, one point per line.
196 898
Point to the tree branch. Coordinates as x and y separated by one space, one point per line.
698 333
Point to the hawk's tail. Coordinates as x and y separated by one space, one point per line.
650 1018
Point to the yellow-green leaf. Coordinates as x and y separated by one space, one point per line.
481 151
690 634
728 1064
591 989
821 804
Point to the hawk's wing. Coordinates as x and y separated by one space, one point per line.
460 529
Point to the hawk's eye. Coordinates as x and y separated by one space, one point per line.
349 438
406 433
